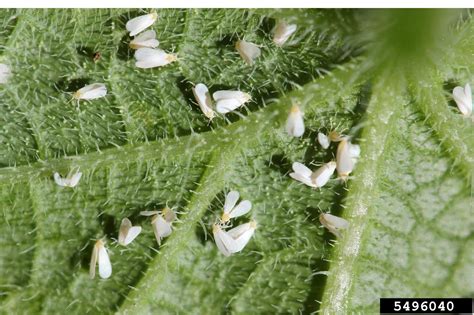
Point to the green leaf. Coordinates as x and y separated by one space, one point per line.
383 77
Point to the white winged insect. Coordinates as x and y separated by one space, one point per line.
242 235
151 58
248 51
322 175
127 232
5 73
231 210
346 157
145 39
333 223
224 241
323 140
295 122
282 32
463 98
91 91
203 98
227 101
302 174
71 180
316 179
162 222
140 23
99 254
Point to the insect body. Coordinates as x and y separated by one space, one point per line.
234 240
100 255
151 58
128 232
248 51
333 223
282 32
70 181
140 23
227 101
346 157
91 91
203 98
145 39
463 98
161 222
242 235
295 123
323 140
316 179
230 208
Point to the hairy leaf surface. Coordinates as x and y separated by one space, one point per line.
383 77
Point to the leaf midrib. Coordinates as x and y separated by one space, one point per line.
380 122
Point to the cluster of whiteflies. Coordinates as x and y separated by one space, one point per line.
234 240
346 159
161 222
226 101
346 156
228 242
147 55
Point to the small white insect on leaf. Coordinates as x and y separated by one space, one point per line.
149 213
282 33
140 23
161 228
99 254
248 51
168 214
242 235
231 210
322 175
71 180
316 179
227 101
203 98
91 91
151 58
145 39
323 140
5 73
346 158
302 174
127 232
295 122
463 98
225 243
333 223
161 222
